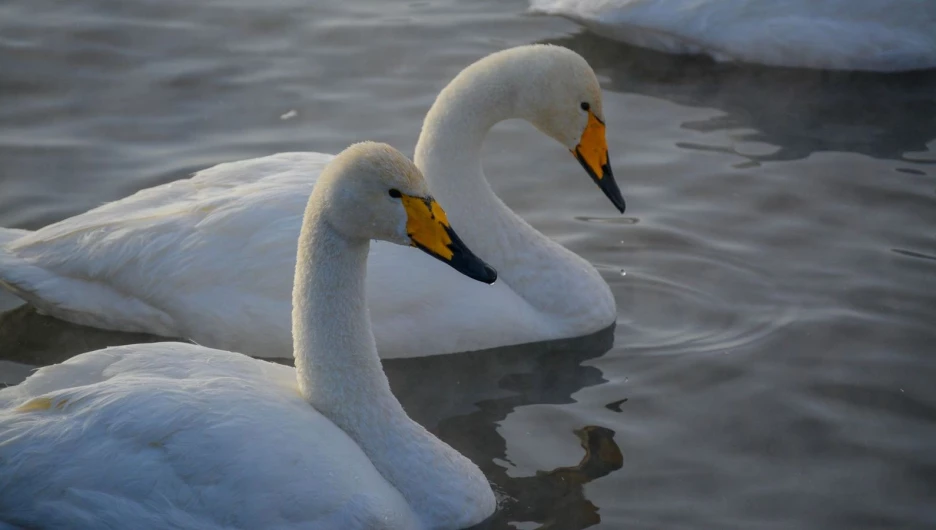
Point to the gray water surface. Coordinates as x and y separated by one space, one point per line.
773 362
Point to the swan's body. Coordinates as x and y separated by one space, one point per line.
877 35
210 258
154 422
173 435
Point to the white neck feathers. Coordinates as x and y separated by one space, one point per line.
340 374
503 86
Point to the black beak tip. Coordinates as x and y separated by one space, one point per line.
610 188
476 269
466 262
490 275
606 182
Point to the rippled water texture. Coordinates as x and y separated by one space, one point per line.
773 361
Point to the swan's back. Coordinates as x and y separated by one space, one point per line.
211 258
153 258
879 35
171 430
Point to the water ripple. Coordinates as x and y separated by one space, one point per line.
717 305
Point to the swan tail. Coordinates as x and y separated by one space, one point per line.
75 300
8 259
9 235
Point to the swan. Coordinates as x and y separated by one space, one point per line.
874 35
208 258
175 435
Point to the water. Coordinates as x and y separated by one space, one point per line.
775 273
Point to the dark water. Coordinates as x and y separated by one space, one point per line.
774 359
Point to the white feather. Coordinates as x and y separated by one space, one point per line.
877 35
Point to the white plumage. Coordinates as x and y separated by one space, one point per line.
877 35
172 435
210 258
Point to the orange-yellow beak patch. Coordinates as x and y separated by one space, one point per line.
427 226
592 149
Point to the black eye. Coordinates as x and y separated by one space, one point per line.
585 105
395 193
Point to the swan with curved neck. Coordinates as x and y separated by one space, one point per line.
208 258
177 435
554 89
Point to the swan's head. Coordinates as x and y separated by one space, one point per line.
371 191
559 94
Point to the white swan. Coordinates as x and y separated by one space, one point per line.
878 35
172 435
209 258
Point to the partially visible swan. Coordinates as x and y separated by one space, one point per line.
878 35
173 435
210 258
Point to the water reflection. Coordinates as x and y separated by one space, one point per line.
28 337
556 499
464 398
799 111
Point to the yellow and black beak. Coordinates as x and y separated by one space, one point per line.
429 231
592 153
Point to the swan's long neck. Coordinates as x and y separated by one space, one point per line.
449 154
340 374
336 357
549 277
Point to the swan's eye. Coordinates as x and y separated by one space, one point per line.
585 105
395 193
